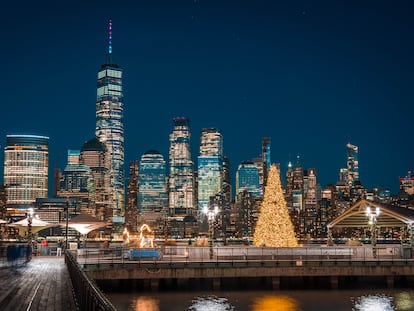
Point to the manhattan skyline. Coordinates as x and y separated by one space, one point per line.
311 75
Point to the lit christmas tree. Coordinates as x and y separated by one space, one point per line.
274 227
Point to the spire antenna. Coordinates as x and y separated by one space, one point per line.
110 42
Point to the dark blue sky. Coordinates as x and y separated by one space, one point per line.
312 75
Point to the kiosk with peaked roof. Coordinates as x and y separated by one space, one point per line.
390 216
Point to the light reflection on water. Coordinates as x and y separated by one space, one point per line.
373 303
386 300
210 303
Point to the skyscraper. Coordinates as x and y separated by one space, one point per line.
110 127
152 189
76 182
266 157
181 176
95 156
210 166
26 162
352 164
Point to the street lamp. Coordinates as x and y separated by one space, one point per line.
372 222
211 215
30 213
67 219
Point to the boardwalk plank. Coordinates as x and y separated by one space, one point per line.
44 282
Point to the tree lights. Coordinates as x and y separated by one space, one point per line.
274 227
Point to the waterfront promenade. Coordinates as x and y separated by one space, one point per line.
43 283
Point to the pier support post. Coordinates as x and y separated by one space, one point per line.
216 283
390 281
334 282
154 284
276 282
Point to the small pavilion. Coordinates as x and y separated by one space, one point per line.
369 214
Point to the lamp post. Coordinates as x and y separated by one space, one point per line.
211 215
30 213
67 219
372 222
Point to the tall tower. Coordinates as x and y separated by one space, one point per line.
352 164
266 157
181 177
210 167
26 162
110 126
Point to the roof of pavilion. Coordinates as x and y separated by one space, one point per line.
389 216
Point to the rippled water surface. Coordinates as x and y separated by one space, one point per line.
320 300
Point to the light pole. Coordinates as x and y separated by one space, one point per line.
67 219
30 213
372 222
211 215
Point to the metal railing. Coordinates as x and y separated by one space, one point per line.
246 255
88 295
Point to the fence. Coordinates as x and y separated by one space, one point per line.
88 296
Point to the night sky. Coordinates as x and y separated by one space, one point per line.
312 75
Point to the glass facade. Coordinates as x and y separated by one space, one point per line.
110 129
26 162
152 181
181 176
210 167
248 179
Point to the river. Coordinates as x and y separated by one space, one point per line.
266 300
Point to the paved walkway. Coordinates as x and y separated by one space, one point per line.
41 284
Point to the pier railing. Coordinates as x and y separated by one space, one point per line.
245 255
87 293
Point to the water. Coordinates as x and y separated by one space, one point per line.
267 300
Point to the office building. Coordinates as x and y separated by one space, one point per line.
26 162
247 178
76 182
352 164
131 208
152 189
181 174
94 155
110 127
210 167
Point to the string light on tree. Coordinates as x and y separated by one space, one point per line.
274 227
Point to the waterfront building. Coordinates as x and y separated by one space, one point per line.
26 163
181 174
152 190
94 155
210 168
110 127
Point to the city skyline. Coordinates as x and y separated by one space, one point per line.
313 76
